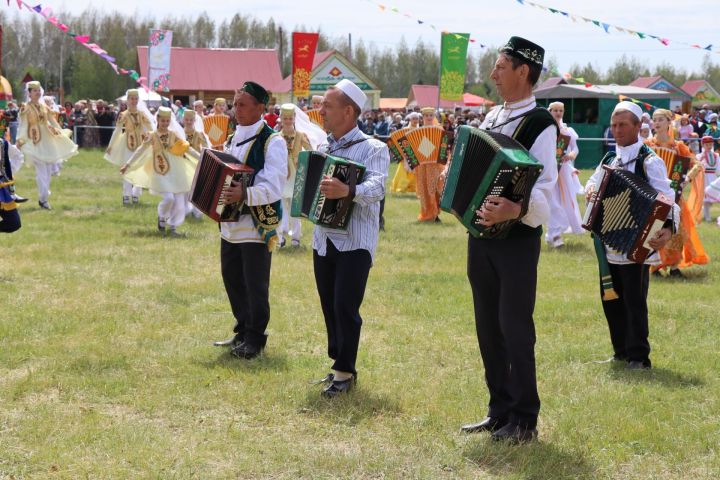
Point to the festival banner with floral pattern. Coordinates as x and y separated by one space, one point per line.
159 60
304 46
453 58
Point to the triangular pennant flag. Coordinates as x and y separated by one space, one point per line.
553 10
665 41
82 38
394 9
708 48
420 22
648 106
606 26
580 79
588 85
640 34
37 8
596 22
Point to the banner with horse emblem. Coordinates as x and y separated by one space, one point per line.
304 45
453 57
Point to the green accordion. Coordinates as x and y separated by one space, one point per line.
307 199
487 164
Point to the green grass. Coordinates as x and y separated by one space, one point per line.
107 368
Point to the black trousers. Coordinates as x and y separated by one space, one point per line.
627 316
503 277
341 278
10 221
246 274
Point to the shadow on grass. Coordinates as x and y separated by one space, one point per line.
266 361
349 409
689 276
537 460
662 376
290 250
570 248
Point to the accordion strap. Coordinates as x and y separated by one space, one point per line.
352 182
606 283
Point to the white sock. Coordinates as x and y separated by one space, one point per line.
341 376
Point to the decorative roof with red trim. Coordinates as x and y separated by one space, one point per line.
691 87
218 69
645 82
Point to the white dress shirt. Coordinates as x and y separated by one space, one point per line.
267 187
362 232
542 150
657 178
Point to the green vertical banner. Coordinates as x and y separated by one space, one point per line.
453 57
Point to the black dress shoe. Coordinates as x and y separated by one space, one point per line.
638 365
338 387
19 199
514 433
246 351
675 272
45 205
488 424
230 342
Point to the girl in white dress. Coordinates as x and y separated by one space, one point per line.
41 140
132 128
709 160
164 164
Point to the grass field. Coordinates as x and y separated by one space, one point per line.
107 368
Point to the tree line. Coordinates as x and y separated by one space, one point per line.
32 45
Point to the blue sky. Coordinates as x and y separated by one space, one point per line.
489 21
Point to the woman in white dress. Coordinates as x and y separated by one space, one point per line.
564 208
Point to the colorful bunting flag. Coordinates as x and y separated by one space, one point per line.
83 40
606 27
386 9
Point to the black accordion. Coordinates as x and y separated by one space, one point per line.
307 199
626 213
487 164
215 171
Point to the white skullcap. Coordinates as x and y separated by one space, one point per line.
631 107
644 126
712 117
353 91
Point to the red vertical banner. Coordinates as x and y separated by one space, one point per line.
304 46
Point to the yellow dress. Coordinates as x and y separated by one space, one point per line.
131 130
404 181
163 164
40 138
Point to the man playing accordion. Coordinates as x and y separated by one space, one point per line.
624 286
503 272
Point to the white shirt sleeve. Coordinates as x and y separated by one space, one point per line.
269 181
594 180
573 147
372 188
16 158
543 150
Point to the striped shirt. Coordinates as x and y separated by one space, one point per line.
362 232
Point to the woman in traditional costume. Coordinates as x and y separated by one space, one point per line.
564 208
404 179
132 128
709 160
197 139
165 164
41 140
684 248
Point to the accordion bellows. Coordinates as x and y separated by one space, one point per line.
214 172
307 199
626 213
487 164
677 168
419 145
